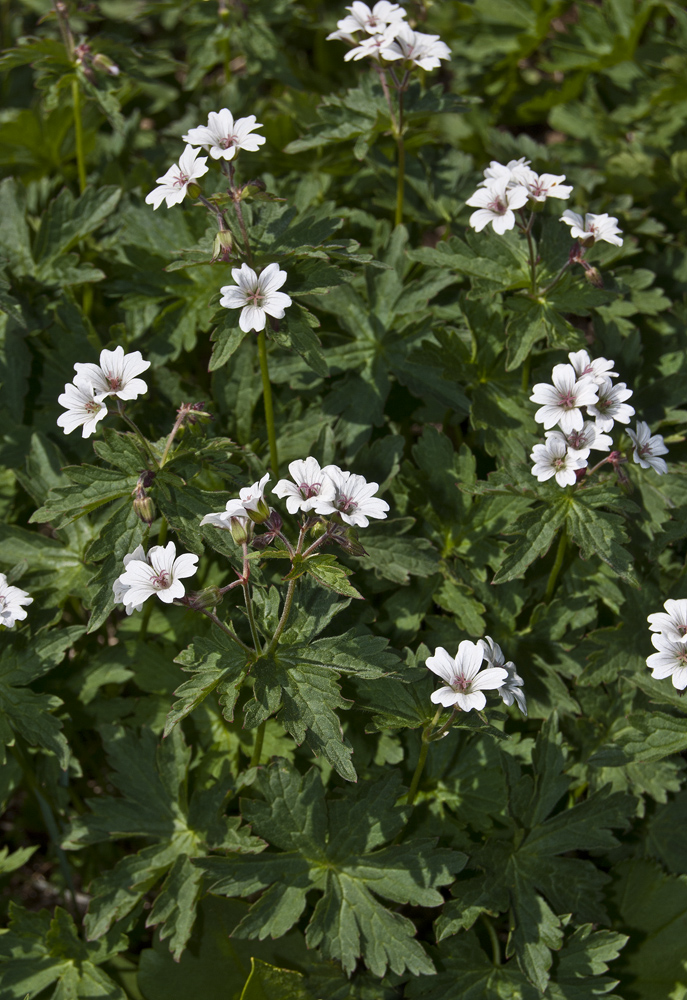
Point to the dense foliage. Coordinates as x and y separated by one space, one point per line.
245 788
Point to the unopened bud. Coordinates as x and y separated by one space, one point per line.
593 276
105 64
144 508
222 247
259 513
193 190
318 529
349 542
241 529
208 598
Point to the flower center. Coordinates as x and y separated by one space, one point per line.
180 180
114 382
460 683
568 401
93 407
345 504
308 490
576 439
161 581
497 206
559 463
227 141
255 297
604 404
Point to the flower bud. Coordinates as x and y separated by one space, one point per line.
144 508
208 598
101 62
258 513
593 276
241 529
349 542
193 190
318 529
222 247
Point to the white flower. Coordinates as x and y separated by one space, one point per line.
173 184
116 374
672 622
256 296
310 485
647 448
580 443
598 369
516 173
12 600
554 459
510 689
251 501
495 203
372 46
562 400
669 661
421 50
161 573
611 405
353 498
361 18
464 679
119 589
543 186
222 137
593 227
83 407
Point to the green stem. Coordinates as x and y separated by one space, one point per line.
257 746
172 434
556 568
145 620
401 167
552 284
533 260
493 937
247 597
136 430
78 133
526 373
267 400
284 616
419 768
227 631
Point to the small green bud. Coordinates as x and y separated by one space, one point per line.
222 247
102 62
260 513
144 508
193 190
208 598
241 529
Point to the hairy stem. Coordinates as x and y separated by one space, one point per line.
257 746
172 434
493 937
247 597
401 164
217 212
137 431
267 400
284 616
556 568
225 628
419 768
552 284
78 135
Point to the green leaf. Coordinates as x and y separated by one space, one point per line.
227 338
335 847
217 664
393 555
328 572
533 872
536 530
154 805
38 951
216 964
266 982
22 710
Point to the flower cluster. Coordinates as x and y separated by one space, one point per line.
222 138
386 35
510 186
116 375
669 637
466 681
12 601
580 390
322 491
